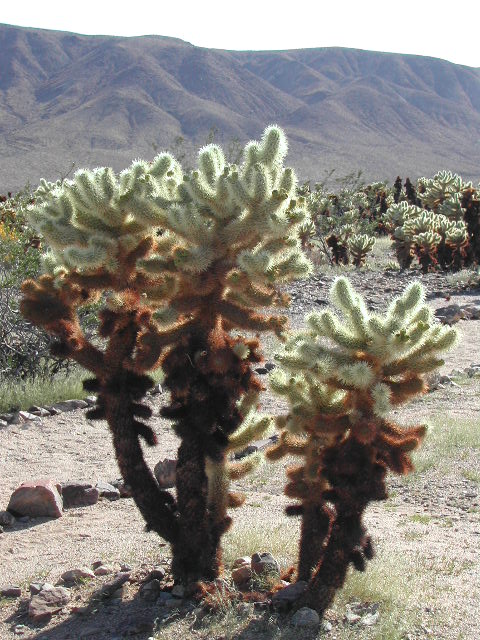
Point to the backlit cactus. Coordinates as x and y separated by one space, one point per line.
342 377
360 246
181 260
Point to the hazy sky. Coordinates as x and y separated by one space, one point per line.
448 30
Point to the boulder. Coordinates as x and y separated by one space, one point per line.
40 498
305 617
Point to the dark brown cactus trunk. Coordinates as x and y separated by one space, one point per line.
356 478
314 535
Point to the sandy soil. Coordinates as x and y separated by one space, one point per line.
69 447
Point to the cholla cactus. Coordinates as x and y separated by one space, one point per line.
342 377
360 246
182 260
441 187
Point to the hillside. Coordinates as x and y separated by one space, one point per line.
102 100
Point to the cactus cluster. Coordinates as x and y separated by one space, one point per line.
180 261
437 235
341 378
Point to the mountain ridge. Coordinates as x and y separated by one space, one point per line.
104 100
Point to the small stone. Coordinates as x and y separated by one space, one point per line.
156 389
76 575
53 411
110 588
305 617
239 562
269 366
265 563
252 448
326 626
165 473
261 371
242 574
150 590
178 591
108 491
39 411
70 405
79 494
104 570
6 519
6 417
28 417
351 617
157 573
125 567
3 423
369 619
47 603
16 419
11 592
1 529
20 629
36 499
91 400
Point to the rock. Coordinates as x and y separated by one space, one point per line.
150 590
39 411
110 588
6 519
104 570
125 567
91 400
450 314
70 405
36 587
108 491
76 575
351 617
16 419
289 594
326 626
1 529
156 389
36 499
305 617
471 311
157 573
261 371
239 562
252 448
241 575
269 366
53 412
124 489
265 563
20 629
79 494
48 602
370 619
165 473
6 417
3 423
11 592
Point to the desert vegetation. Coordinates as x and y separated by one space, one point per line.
161 271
